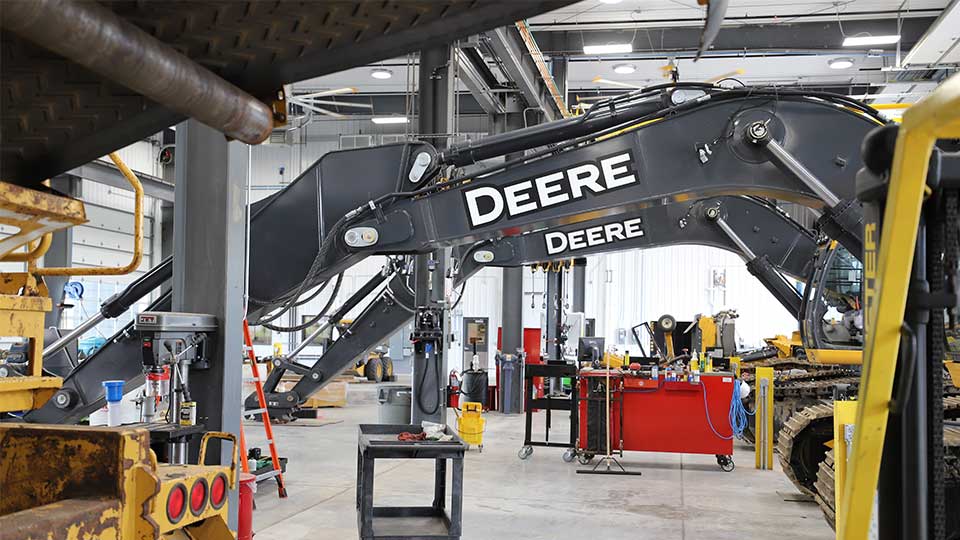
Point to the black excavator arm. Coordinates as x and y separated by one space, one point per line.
769 241
631 153
636 151
753 228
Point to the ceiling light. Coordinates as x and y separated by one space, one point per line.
840 63
389 119
381 73
610 1
615 48
624 69
859 41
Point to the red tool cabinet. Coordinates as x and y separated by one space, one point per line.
656 415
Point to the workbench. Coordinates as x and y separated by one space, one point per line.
409 522
656 415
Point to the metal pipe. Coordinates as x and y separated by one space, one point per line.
543 134
735 238
32 253
73 334
786 159
137 235
98 39
309 339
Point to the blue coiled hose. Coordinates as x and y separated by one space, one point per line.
737 416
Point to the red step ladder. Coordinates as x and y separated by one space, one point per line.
277 472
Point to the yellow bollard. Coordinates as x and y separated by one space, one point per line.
470 424
763 429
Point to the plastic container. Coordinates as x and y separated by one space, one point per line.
470 424
113 391
248 488
395 404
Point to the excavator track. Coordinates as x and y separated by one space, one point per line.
826 494
800 444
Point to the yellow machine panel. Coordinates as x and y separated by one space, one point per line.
104 483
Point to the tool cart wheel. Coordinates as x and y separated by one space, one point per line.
480 448
569 455
726 463
584 459
525 452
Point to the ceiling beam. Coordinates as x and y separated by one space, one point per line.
542 23
475 75
807 36
941 42
103 173
512 53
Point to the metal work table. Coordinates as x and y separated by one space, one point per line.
409 522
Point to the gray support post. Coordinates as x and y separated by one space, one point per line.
559 69
511 304
166 237
436 97
554 315
208 271
579 285
60 253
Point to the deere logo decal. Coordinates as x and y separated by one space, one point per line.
558 242
488 204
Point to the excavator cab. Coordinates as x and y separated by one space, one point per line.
832 314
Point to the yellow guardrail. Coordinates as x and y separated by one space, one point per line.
137 235
887 273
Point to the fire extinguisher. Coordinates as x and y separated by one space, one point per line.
453 390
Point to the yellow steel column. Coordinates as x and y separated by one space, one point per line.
844 416
763 418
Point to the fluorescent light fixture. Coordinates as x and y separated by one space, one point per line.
860 41
389 119
381 73
840 63
614 48
610 1
624 69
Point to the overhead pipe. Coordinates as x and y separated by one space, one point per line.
98 39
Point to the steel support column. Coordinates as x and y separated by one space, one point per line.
511 303
554 320
436 98
579 285
208 272
559 68
60 253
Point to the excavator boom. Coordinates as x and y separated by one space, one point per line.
638 153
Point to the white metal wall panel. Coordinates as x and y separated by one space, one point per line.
141 156
481 298
624 289
93 193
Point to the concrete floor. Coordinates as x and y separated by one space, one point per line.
678 496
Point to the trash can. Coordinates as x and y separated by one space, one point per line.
395 402
473 387
248 487
511 383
